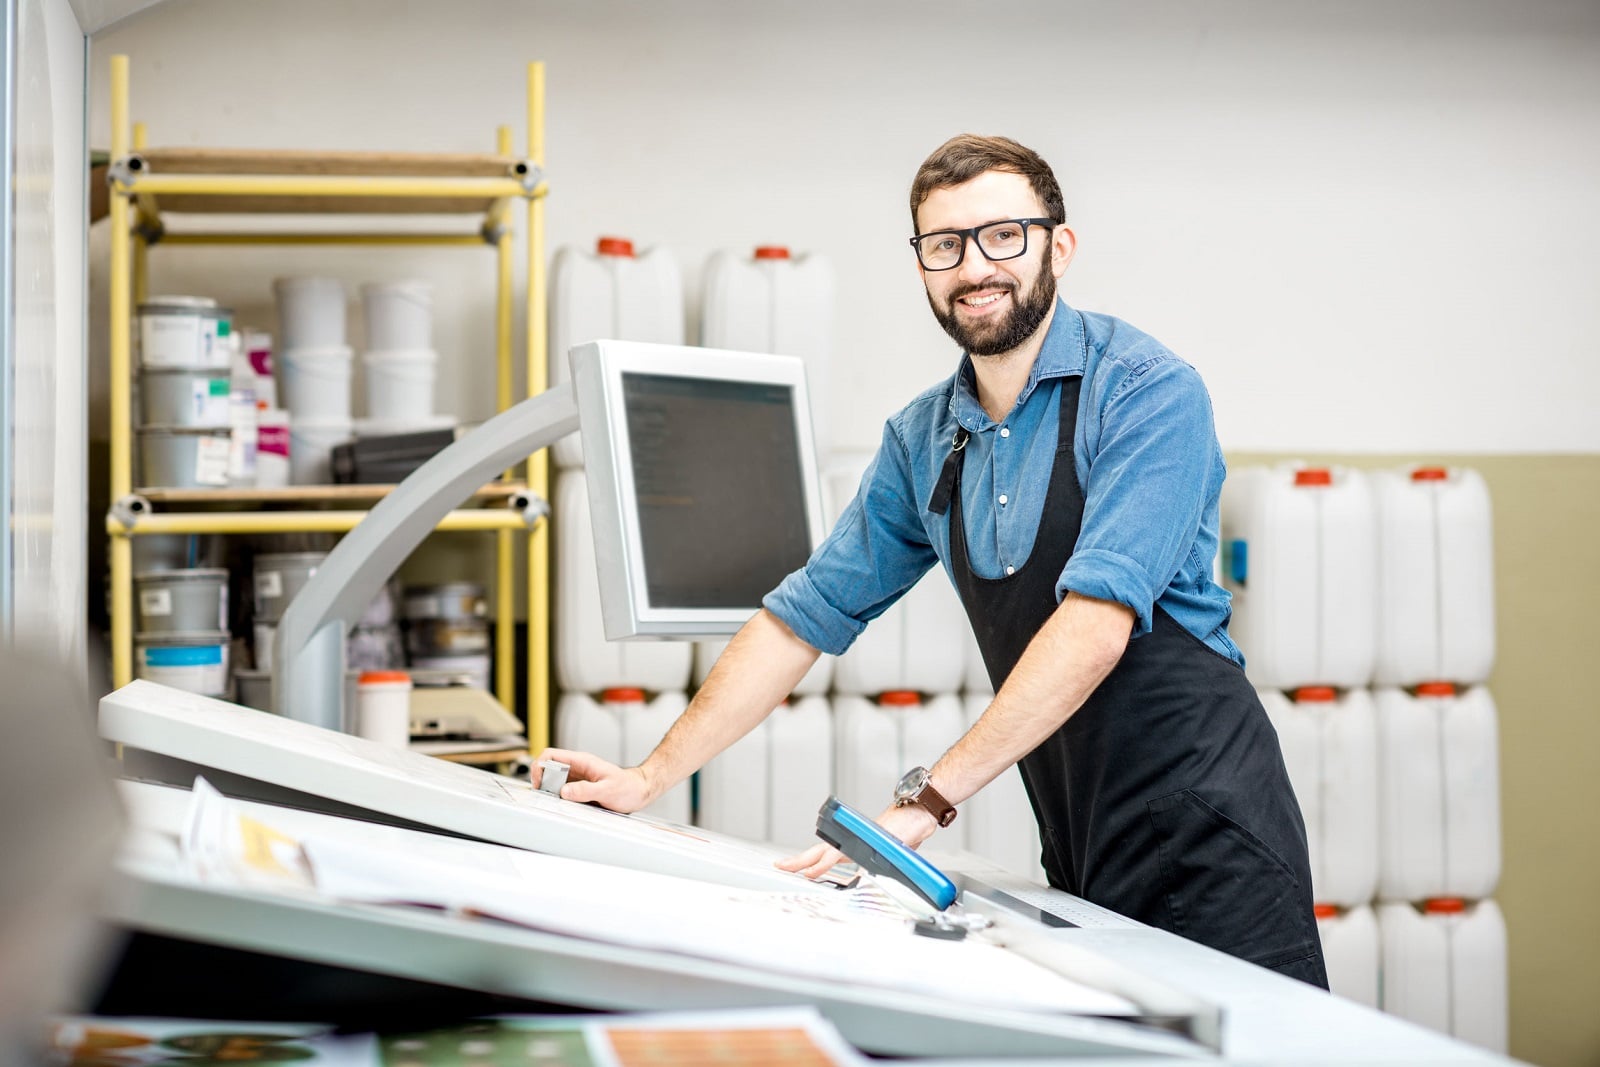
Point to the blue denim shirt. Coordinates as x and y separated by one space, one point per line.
1148 463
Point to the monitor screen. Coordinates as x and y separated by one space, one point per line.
702 482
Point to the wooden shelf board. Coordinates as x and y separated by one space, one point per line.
494 492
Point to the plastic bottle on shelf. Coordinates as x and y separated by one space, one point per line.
1350 948
1444 967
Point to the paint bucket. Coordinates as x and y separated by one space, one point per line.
183 331
399 383
316 383
279 576
468 670
311 444
310 312
183 601
272 447
451 600
253 689
183 396
399 315
184 457
197 662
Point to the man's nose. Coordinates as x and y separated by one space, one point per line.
974 265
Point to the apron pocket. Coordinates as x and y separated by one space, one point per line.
1227 888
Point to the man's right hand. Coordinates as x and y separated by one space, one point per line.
593 780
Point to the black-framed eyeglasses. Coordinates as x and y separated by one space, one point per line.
1006 239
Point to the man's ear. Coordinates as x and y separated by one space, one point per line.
1063 243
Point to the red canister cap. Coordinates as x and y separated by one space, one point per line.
382 677
1313 476
771 252
1436 689
1325 911
899 698
1315 694
614 246
622 695
1444 906
1429 474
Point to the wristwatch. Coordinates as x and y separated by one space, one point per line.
916 787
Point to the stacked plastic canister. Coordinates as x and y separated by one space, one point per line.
400 364
1342 582
184 435
447 630
314 371
606 704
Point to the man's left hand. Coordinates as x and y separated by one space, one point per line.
912 824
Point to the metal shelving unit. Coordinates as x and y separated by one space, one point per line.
148 185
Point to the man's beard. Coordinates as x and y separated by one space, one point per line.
1028 310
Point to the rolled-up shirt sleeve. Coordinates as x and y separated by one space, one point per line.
876 552
1147 489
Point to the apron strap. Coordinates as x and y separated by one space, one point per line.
939 502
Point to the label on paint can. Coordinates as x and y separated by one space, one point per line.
210 397
269 585
272 440
155 602
211 457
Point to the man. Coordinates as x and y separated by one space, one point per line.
1067 476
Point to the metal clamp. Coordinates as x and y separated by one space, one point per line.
127 510
528 173
493 233
125 171
534 508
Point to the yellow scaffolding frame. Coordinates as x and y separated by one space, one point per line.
135 219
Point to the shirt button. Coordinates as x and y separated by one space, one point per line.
1011 570
1005 431
1002 499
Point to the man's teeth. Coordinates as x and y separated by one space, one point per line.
981 301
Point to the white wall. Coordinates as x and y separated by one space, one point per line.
48 411
1373 227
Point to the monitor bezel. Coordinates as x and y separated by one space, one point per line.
597 371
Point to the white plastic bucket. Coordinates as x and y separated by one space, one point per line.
1300 547
1444 967
1350 951
1330 746
383 707
877 741
1435 577
182 601
184 457
311 444
183 331
773 301
584 660
612 293
623 727
400 383
197 662
183 396
279 577
399 315
310 312
316 383
768 785
999 821
272 447
1438 792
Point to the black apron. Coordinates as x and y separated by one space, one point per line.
1164 797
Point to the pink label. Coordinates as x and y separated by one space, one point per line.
273 441
261 361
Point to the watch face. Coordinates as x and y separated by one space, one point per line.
911 784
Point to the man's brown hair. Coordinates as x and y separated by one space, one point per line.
967 155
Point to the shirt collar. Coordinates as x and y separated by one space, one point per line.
1065 353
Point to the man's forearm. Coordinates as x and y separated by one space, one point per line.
1066 660
759 668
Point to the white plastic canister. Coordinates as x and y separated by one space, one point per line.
774 301
768 785
196 662
183 396
1330 746
1300 546
316 383
877 741
614 293
399 315
1444 967
584 660
998 820
183 331
310 312
1350 951
383 707
624 728
399 384
184 457
1439 793
1435 576
182 601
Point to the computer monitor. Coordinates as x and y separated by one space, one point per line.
703 486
